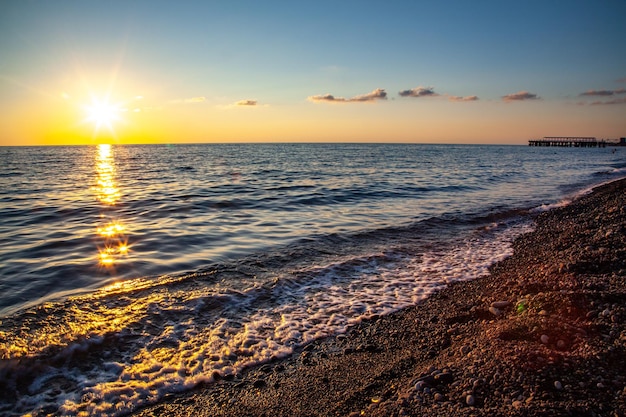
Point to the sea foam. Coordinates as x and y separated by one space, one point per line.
124 349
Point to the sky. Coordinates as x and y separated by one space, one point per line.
86 72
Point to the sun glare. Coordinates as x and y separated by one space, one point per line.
102 113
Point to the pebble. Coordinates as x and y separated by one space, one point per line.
470 400
545 339
438 397
419 387
560 344
558 385
444 378
495 311
465 349
500 304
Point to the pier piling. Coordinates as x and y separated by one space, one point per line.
569 141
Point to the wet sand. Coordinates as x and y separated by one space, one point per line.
543 334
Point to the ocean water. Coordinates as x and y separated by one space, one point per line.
131 272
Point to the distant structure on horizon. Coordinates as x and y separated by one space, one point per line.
576 142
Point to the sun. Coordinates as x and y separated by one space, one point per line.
102 113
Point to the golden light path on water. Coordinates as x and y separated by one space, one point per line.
113 232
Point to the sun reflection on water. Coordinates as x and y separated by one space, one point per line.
106 189
113 232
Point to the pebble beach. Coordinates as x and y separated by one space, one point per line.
543 334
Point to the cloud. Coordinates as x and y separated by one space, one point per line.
325 97
603 93
621 100
419 92
378 94
195 100
462 99
520 96
430 92
246 103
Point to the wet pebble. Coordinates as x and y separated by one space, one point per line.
558 385
470 400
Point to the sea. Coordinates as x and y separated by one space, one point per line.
132 273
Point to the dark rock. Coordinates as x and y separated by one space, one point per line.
444 378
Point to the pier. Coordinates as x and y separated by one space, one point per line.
569 141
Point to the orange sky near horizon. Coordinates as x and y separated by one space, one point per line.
64 121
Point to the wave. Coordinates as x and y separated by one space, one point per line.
130 344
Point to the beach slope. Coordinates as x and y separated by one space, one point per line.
543 334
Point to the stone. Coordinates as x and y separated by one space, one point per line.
495 311
444 378
500 304
544 339
558 385
470 400
419 387
439 397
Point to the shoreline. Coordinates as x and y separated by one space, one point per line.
544 333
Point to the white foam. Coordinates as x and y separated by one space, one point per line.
172 338
565 201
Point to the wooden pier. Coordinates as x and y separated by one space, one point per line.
565 141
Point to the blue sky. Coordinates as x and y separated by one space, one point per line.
278 55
